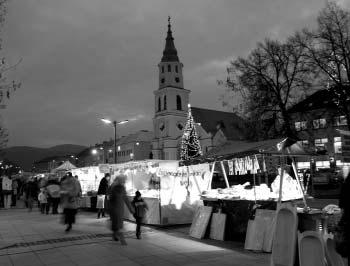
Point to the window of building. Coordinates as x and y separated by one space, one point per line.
164 102
162 69
319 123
177 79
321 143
178 102
304 143
337 145
176 69
162 80
169 68
301 125
159 105
340 121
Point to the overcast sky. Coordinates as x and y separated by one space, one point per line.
87 59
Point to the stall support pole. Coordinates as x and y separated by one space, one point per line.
298 181
281 181
211 176
224 172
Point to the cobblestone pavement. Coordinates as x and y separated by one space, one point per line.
34 239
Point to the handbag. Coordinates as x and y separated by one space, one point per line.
340 240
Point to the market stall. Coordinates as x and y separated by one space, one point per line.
250 174
172 192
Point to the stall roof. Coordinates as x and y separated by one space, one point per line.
236 149
67 165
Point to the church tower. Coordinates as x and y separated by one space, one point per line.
171 100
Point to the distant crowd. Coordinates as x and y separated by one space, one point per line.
49 194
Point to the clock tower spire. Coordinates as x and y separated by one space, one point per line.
171 101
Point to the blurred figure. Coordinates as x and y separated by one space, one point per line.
101 195
53 195
42 197
117 198
14 193
69 196
140 211
6 191
80 191
31 193
344 204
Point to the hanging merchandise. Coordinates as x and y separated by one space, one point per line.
230 167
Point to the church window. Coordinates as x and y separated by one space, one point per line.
162 69
169 68
159 105
178 102
176 69
164 102
177 79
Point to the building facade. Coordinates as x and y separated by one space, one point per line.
317 121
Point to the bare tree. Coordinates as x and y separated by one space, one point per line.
272 78
328 49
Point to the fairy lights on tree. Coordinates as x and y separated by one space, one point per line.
190 145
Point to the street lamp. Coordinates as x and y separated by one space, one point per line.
115 123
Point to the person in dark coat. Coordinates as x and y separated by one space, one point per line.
31 193
101 195
140 207
53 195
344 204
69 191
117 200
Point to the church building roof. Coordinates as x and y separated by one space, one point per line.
212 120
170 52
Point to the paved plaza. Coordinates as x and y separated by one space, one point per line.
34 239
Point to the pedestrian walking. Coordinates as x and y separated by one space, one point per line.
53 195
14 193
31 193
344 204
117 200
6 191
42 197
140 208
69 199
101 195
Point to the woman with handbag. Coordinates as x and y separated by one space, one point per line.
343 246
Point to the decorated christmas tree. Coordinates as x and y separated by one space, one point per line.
190 145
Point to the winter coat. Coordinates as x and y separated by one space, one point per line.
103 187
117 200
140 207
69 193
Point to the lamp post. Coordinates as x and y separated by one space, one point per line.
114 123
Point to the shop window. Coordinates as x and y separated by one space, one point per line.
162 69
300 125
159 105
176 69
319 123
165 102
337 145
169 68
340 121
178 102
320 144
